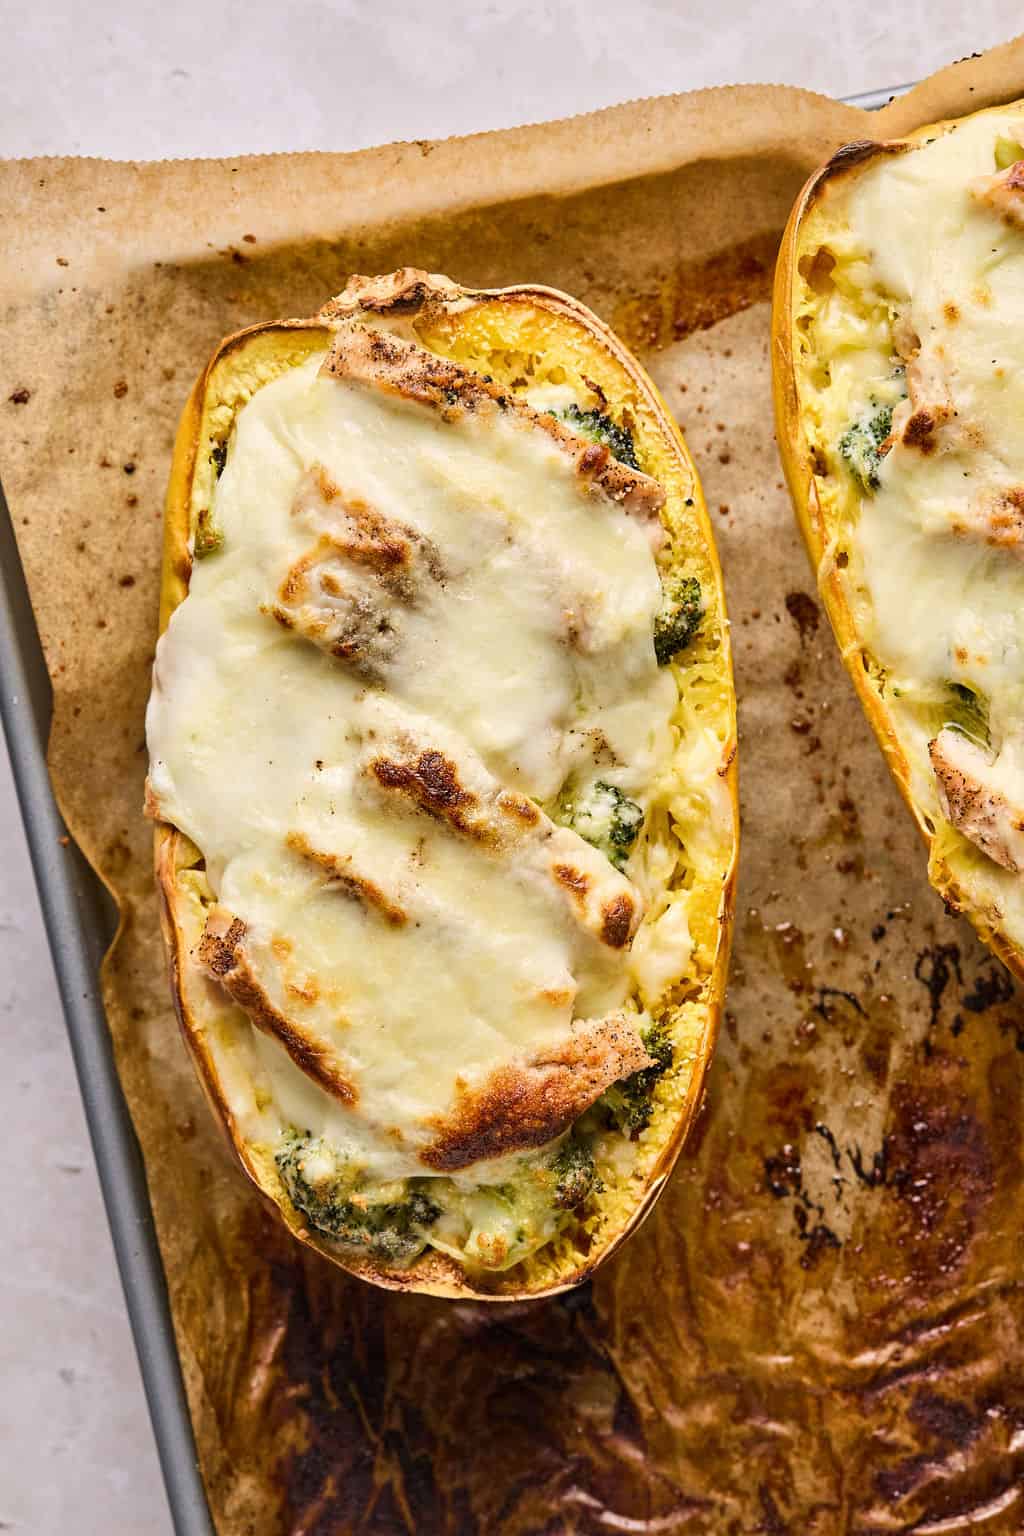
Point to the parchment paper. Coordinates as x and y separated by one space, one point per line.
819 1329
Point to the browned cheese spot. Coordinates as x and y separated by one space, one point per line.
557 997
324 484
342 875
363 534
1007 518
519 808
217 950
997 518
1003 193
520 1107
431 783
574 880
309 992
919 431
617 921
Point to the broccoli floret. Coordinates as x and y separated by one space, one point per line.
678 619
209 538
599 428
391 1230
629 1101
575 1174
967 712
606 819
861 444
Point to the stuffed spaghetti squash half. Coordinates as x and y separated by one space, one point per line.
442 742
899 392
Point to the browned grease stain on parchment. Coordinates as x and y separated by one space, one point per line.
818 1330
698 294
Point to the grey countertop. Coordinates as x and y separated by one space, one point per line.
154 80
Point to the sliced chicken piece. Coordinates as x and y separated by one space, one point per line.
409 291
1003 193
520 1104
526 1105
978 796
466 799
380 360
224 954
346 593
339 610
341 874
929 405
905 339
398 555
995 517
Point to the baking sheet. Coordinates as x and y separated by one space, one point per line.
80 922
817 1330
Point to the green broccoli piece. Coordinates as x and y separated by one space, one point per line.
606 819
391 1230
629 1102
209 537
599 428
861 444
967 712
575 1175
678 619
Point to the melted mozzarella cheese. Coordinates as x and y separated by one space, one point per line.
930 274
945 604
523 653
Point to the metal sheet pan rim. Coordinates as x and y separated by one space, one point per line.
79 922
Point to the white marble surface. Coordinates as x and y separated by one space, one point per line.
153 79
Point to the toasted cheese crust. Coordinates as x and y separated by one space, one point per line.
900 393
529 1104
416 643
